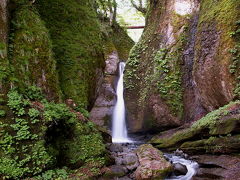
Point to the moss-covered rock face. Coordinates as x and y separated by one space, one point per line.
37 135
153 73
214 83
181 68
30 53
4 68
74 29
217 132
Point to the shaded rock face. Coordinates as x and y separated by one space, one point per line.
101 113
117 45
3 20
152 163
179 70
217 167
216 133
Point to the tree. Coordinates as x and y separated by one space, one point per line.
140 5
108 8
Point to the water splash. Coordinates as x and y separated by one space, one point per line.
190 165
119 130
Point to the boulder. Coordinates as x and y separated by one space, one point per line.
152 163
179 169
116 148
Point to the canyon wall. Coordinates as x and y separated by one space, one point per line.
183 67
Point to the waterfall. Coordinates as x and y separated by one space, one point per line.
119 130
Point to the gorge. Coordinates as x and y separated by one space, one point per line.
79 99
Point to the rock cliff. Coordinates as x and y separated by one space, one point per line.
185 64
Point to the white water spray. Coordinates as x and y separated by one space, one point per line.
190 165
119 130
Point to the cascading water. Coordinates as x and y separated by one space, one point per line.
119 130
190 165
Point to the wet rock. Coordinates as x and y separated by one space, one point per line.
217 167
152 163
102 110
179 169
111 63
124 178
131 161
116 148
118 161
181 154
115 171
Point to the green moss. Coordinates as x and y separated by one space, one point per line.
74 30
234 67
168 77
224 16
213 145
209 124
31 54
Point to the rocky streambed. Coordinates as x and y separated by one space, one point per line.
143 161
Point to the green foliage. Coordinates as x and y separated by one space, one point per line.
30 145
23 148
234 67
58 112
167 76
56 174
2 113
33 93
133 63
16 102
84 112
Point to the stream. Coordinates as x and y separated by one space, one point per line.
126 162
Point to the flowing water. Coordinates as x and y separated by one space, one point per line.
190 165
119 130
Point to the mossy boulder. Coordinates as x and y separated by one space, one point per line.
217 132
152 163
